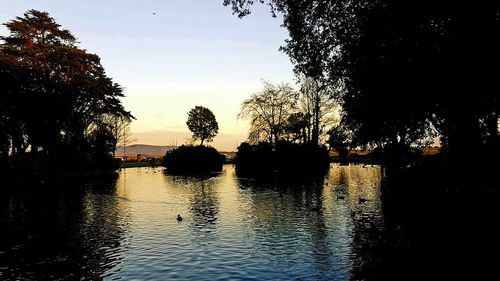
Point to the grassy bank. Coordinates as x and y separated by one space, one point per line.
134 164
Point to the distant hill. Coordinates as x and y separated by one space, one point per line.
145 149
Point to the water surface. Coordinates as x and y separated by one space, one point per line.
232 228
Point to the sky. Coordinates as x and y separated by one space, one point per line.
190 52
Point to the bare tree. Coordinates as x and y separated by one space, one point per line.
118 127
319 107
268 110
123 134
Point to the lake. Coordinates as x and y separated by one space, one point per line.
232 228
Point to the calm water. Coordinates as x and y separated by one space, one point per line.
232 229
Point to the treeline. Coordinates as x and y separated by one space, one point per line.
279 113
288 130
408 72
59 111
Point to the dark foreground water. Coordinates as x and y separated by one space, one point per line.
331 229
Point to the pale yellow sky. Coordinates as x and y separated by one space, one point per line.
161 111
187 53
217 68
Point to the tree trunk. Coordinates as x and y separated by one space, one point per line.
315 131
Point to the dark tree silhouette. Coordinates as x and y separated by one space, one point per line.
339 139
407 67
285 159
193 160
297 127
55 98
317 103
201 122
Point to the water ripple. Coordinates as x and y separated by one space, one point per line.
232 229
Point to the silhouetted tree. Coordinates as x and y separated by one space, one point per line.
102 142
297 127
408 68
201 122
317 103
268 111
54 95
339 139
123 134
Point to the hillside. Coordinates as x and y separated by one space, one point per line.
144 149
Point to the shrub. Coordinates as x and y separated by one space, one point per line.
286 159
193 160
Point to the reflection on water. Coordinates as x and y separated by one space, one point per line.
61 235
232 228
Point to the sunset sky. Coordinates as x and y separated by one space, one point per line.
190 53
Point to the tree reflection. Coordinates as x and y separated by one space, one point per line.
289 221
322 248
203 204
321 221
204 208
368 247
60 235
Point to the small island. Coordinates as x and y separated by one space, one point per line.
199 159
286 126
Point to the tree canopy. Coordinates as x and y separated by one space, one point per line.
409 69
280 113
55 96
201 122
318 104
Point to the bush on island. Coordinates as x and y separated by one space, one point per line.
285 159
193 160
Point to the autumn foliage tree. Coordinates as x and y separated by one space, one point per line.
56 99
